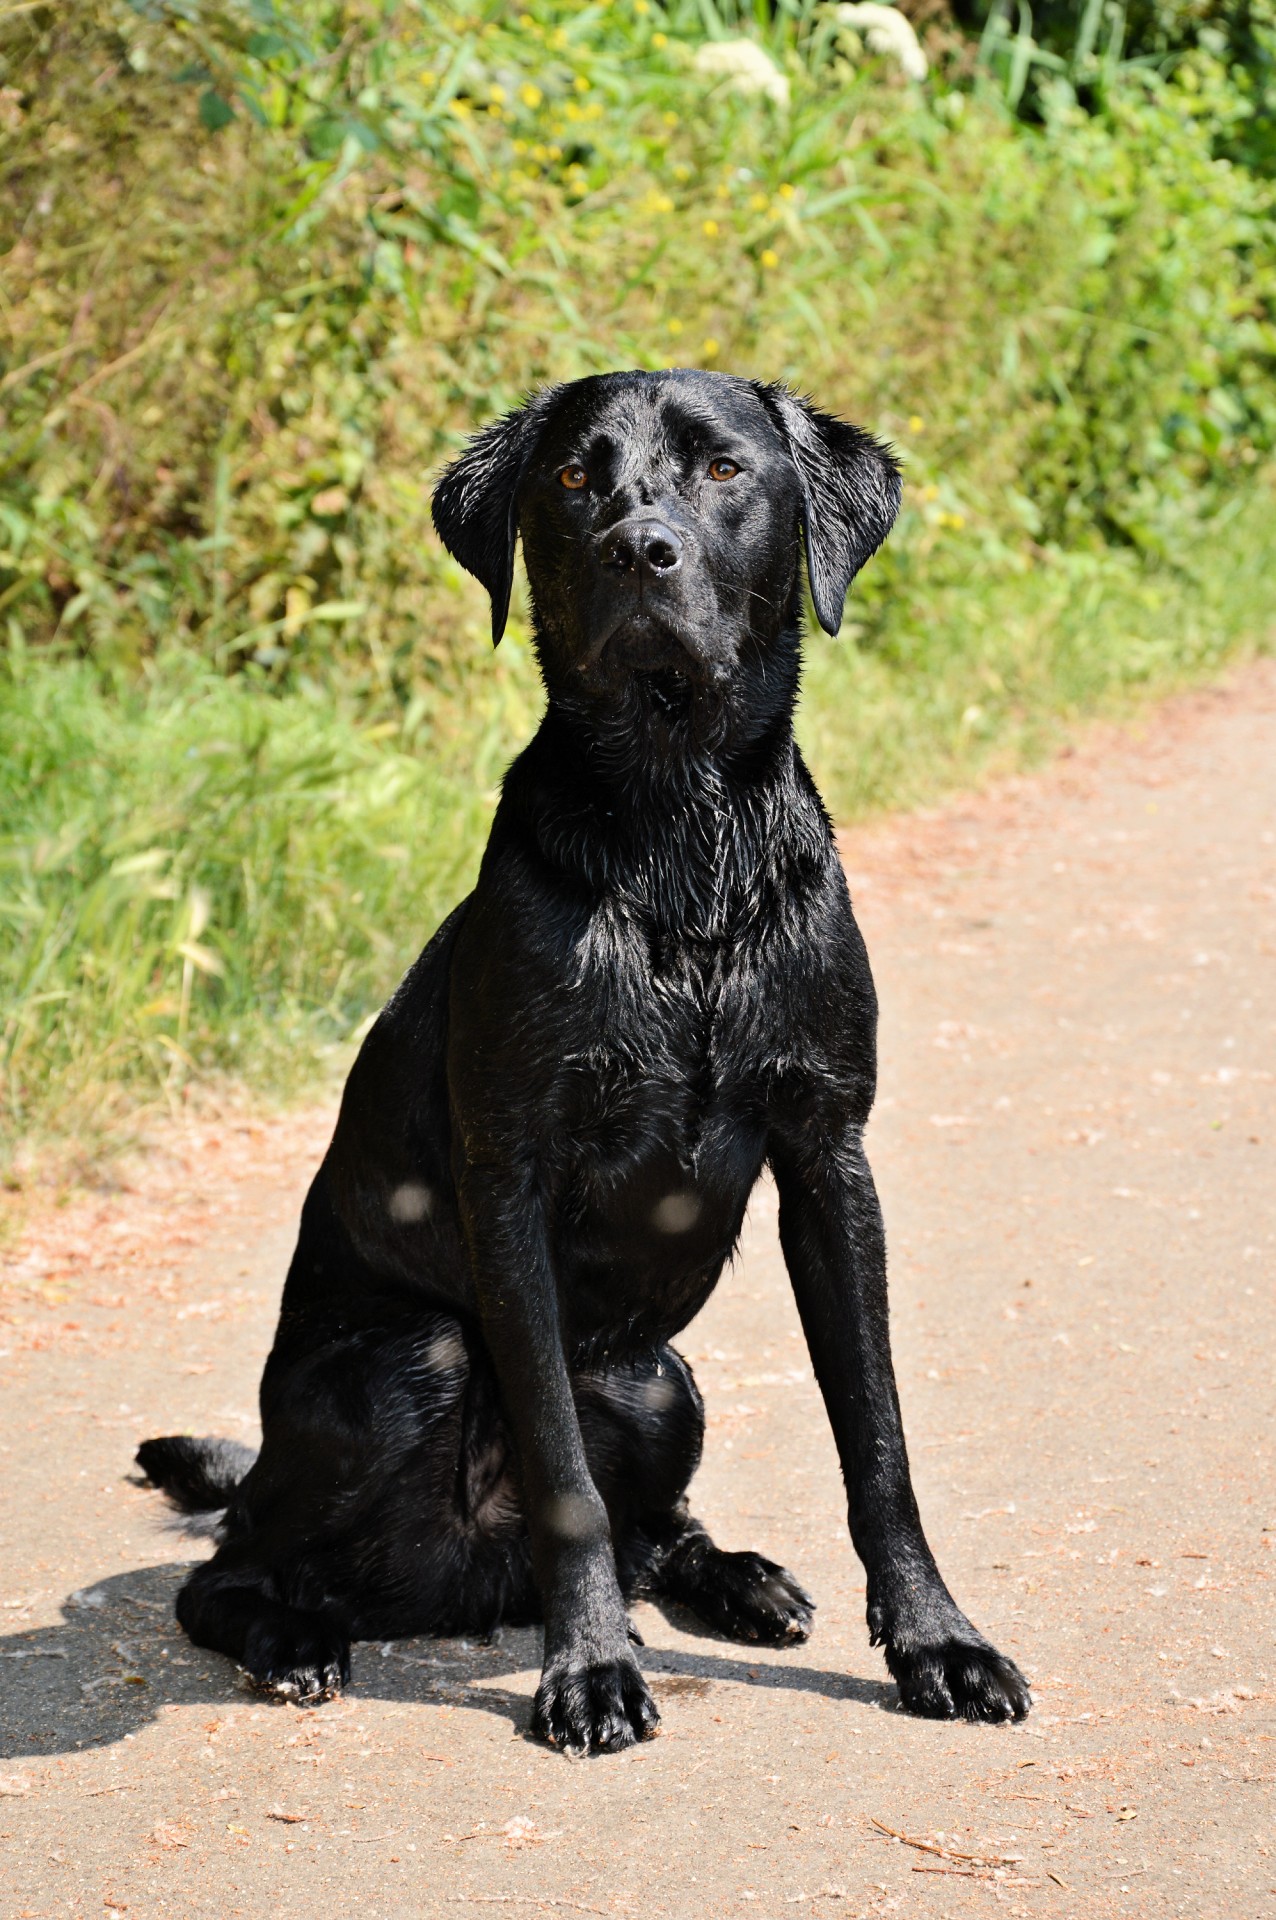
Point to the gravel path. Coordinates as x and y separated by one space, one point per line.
1076 1146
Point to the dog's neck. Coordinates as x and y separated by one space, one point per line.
684 816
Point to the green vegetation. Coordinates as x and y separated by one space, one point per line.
263 267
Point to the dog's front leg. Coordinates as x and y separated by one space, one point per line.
835 1248
592 1696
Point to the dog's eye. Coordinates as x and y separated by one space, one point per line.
723 469
574 478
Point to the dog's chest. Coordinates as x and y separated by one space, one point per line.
665 1111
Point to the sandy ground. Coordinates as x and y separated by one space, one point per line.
1076 1146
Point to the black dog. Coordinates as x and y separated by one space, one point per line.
471 1413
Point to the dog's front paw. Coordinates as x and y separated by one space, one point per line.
593 1706
303 1659
961 1677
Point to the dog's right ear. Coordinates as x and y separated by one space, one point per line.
475 506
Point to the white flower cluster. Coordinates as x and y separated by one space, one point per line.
746 67
886 31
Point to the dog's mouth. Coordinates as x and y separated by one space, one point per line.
667 662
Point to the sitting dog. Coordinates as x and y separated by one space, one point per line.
472 1413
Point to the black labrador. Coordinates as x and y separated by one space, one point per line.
471 1413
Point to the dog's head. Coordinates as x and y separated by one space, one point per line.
662 516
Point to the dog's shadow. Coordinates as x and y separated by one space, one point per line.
119 1660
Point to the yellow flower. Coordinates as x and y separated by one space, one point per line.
429 79
520 146
675 326
580 83
495 113
670 119
786 192
709 349
769 257
461 108
497 94
641 8
930 491
682 171
572 111
723 191
660 39
759 202
915 423
526 20
709 226
529 95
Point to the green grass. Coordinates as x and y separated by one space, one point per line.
261 269
197 878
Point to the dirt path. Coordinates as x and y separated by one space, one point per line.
1077 1150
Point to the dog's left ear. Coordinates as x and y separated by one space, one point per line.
850 496
475 508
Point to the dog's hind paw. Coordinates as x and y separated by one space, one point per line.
596 1708
740 1595
304 1659
959 1679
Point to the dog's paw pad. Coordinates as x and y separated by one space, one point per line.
959 1680
597 1708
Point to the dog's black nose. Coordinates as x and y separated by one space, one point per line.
641 546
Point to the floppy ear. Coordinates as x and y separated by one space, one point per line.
475 507
850 496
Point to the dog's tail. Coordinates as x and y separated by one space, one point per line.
198 1476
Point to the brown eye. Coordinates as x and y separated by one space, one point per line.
573 478
723 469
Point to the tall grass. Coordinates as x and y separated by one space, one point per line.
262 267
194 877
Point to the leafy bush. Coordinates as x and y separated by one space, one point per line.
267 275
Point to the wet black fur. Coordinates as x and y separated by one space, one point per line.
471 1413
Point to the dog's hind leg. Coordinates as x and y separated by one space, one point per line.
643 1428
290 1653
